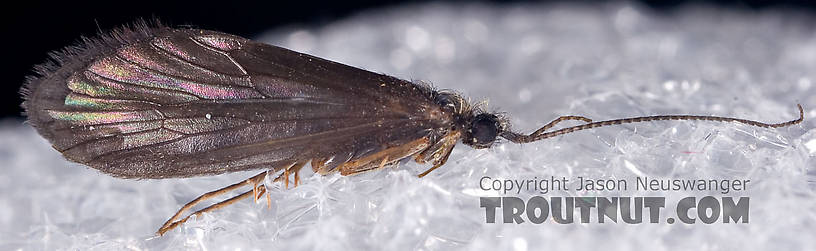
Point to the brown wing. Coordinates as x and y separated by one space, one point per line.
159 103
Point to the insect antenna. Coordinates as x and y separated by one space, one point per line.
542 134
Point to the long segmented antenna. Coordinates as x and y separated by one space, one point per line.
541 134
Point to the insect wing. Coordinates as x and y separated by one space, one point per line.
159 103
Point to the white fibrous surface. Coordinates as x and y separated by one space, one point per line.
531 62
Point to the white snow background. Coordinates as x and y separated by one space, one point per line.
534 62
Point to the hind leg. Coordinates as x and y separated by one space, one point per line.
254 181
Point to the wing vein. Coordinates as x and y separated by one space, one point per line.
117 99
176 58
143 86
184 79
222 53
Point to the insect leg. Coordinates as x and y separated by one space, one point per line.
171 223
382 158
319 166
441 161
294 168
215 206
286 174
440 156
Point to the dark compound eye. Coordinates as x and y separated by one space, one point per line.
483 131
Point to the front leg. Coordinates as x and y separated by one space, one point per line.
439 156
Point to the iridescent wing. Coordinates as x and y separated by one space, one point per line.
160 102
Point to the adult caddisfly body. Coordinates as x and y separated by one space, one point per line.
157 102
